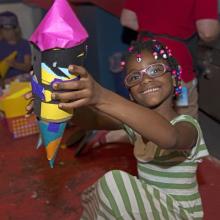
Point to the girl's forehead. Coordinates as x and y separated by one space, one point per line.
147 59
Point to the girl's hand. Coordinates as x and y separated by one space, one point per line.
29 107
29 96
75 94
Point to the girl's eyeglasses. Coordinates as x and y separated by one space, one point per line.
152 71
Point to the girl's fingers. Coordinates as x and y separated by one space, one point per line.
77 84
78 69
70 85
28 95
29 107
66 96
73 105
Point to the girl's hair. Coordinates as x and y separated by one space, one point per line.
159 51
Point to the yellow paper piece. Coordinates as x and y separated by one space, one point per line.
4 67
47 95
51 112
49 76
13 103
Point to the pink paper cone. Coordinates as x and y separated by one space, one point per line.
60 28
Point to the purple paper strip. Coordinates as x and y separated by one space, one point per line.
37 89
59 80
55 81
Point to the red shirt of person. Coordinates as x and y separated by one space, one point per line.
181 19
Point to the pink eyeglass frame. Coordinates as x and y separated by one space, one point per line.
144 71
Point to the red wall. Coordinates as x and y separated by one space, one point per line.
112 6
40 3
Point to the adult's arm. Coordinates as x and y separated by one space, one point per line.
208 29
24 66
25 51
129 19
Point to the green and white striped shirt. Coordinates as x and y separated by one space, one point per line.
167 188
174 171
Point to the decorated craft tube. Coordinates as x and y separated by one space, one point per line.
59 40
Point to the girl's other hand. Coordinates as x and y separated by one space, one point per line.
29 96
75 94
29 107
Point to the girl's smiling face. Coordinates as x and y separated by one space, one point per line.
150 92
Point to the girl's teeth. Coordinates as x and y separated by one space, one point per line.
150 90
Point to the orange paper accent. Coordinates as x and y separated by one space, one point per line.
52 147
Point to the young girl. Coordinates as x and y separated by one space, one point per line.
168 147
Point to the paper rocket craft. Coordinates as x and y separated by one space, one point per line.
59 40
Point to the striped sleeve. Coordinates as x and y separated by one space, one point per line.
131 134
200 149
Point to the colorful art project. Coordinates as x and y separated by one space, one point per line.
59 41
